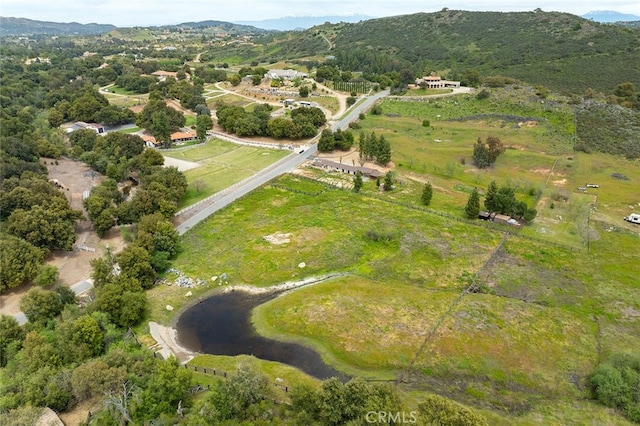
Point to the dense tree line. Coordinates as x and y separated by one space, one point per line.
340 140
258 122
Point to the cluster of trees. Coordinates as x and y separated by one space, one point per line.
136 83
112 155
160 119
614 383
341 140
159 191
80 101
374 148
78 354
120 280
486 152
66 353
38 219
211 74
258 122
503 200
245 398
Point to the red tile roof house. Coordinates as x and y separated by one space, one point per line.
176 137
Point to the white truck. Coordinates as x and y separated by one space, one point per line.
633 218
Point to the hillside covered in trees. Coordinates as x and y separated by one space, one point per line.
561 51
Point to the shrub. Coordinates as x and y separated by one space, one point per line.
47 276
615 384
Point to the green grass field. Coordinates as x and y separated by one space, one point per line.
543 319
547 310
223 164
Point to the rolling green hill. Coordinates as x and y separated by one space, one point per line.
561 51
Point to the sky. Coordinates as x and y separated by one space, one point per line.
128 13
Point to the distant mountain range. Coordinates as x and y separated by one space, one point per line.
224 26
23 26
289 23
610 16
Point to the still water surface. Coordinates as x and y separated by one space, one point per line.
221 325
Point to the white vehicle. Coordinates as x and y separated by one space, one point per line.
633 218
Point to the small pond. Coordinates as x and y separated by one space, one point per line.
221 325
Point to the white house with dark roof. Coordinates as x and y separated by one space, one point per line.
276 74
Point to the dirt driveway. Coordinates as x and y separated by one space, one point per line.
73 266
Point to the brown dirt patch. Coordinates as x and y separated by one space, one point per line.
528 124
80 412
137 108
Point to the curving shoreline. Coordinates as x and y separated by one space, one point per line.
167 336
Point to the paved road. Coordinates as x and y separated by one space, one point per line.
285 165
224 198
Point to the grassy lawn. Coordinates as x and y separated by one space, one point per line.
390 318
120 91
131 130
328 102
529 336
126 100
223 164
427 92
229 99
331 231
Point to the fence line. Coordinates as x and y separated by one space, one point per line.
483 224
471 288
224 191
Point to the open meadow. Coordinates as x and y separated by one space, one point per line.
510 322
541 318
